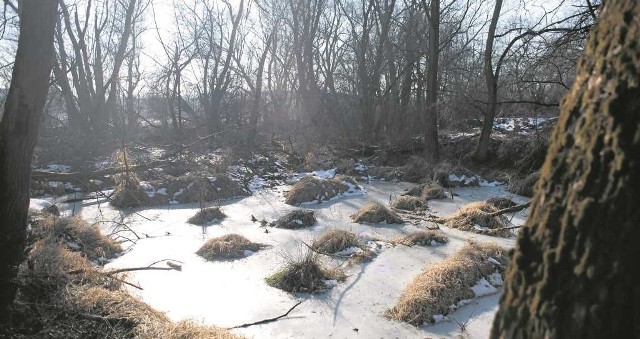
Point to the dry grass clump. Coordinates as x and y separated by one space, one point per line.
51 268
428 191
207 215
200 189
501 202
432 191
304 275
423 238
62 295
333 241
128 194
408 203
229 246
188 329
447 283
78 235
476 217
374 213
524 187
311 188
296 219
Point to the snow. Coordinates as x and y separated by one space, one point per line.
348 251
483 287
495 279
256 183
39 204
439 318
58 168
328 174
229 293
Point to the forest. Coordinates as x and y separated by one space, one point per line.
319 168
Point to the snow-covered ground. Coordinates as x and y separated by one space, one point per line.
232 293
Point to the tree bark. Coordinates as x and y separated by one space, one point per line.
574 272
18 135
432 146
482 151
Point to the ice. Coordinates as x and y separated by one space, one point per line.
328 174
483 287
370 289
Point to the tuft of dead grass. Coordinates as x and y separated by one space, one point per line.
333 241
447 283
129 194
423 238
200 189
432 191
305 274
311 188
229 246
62 295
376 213
77 235
475 217
501 202
207 215
427 191
296 219
408 203
524 186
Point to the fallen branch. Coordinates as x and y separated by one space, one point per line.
327 254
516 208
266 321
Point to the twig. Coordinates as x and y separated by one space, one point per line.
130 269
516 208
266 321
327 254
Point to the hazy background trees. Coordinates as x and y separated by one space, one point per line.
381 72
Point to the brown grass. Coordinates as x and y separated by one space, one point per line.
524 186
311 188
446 283
408 203
303 275
374 213
207 215
333 241
75 231
423 238
501 202
62 295
189 189
477 213
229 246
296 219
129 194
432 191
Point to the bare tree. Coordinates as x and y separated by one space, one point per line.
18 134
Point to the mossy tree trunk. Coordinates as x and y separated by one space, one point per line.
574 271
18 135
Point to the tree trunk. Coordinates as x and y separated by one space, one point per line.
574 272
482 151
18 135
432 146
